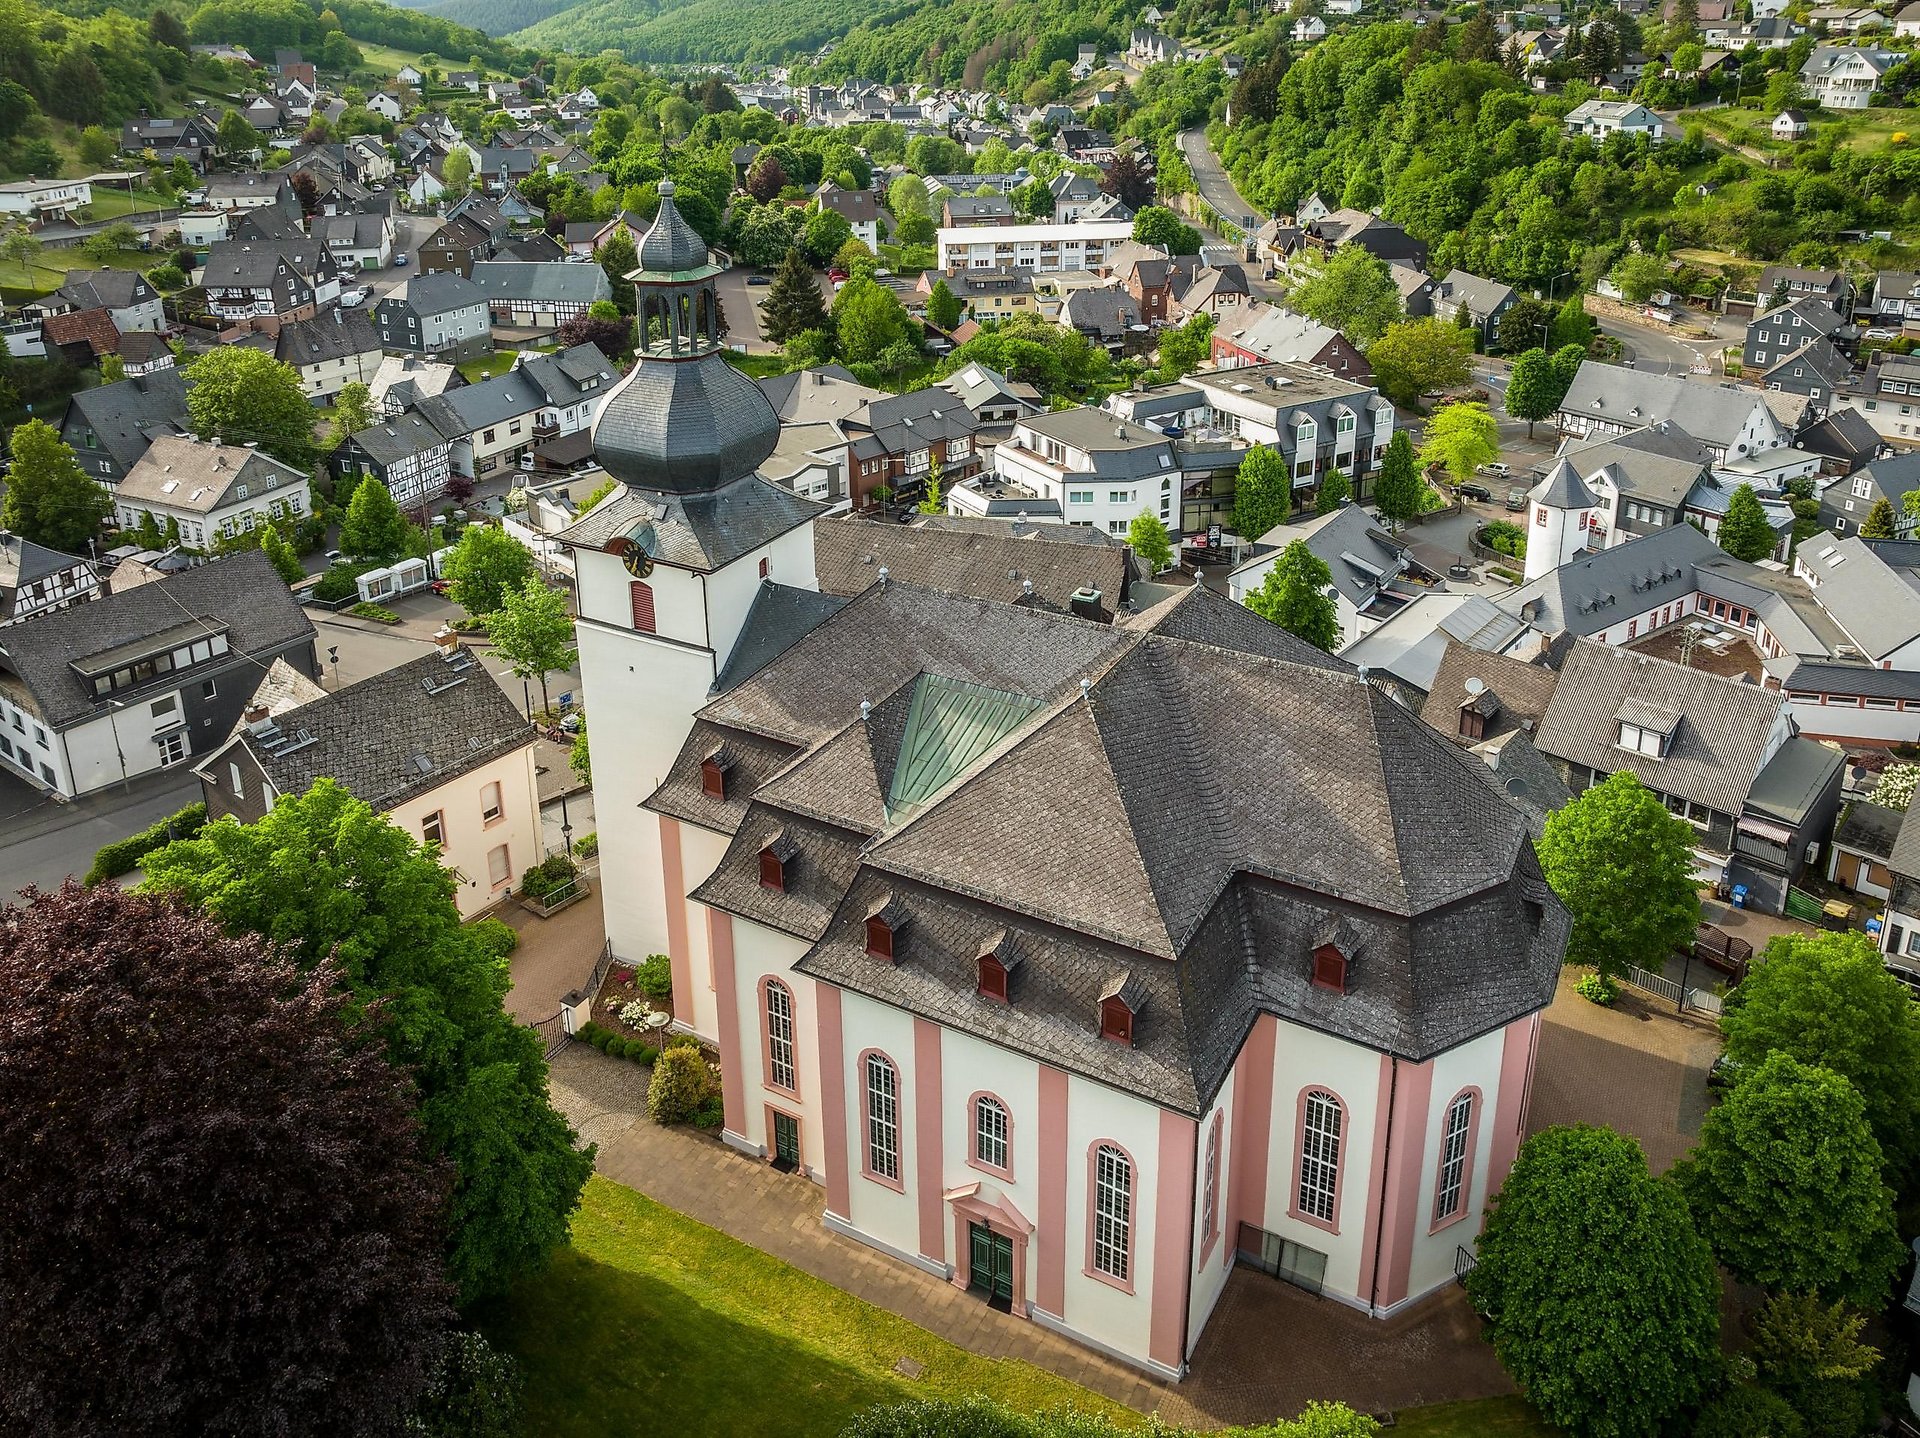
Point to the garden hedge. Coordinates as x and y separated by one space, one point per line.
127 855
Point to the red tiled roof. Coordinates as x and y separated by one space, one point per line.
94 327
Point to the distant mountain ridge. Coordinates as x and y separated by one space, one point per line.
496 17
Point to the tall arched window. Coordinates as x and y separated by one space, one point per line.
883 1118
1456 1148
1112 1212
779 1015
1210 1190
1321 1119
991 1131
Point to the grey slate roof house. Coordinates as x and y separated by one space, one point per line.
1846 502
1044 565
1485 301
539 296
37 580
1722 754
405 452
109 428
385 740
441 315
146 677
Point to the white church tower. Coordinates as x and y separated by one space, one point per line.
668 567
1559 513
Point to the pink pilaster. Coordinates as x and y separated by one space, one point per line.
1413 1096
1510 1107
673 878
1050 1288
928 1141
1172 1239
833 1095
733 1060
1252 1128
1376 1178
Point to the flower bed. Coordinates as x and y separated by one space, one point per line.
550 886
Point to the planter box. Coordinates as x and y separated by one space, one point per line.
547 907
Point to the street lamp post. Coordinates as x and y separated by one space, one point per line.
1553 284
113 705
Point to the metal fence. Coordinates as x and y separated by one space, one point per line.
553 1028
1663 987
553 1033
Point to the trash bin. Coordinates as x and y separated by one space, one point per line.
1739 896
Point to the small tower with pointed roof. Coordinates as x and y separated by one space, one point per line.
1559 516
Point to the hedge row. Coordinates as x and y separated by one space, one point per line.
127 855
617 1046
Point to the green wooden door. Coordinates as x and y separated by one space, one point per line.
991 1266
786 1142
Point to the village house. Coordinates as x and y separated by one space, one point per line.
209 490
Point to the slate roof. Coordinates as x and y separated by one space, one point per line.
1362 556
540 281
125 415
1121 449
779 618
396 735
1869 828
1276 333
1115 844
336 335
199 476
1875 602
1608 586
986 561
111 289
1522 690
240 594
1712 412
703 530
1659 464
1717 751
1563 488
436 294
393 440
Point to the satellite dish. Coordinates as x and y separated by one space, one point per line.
1476 687
1517 788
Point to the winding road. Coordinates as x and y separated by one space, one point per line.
1210 179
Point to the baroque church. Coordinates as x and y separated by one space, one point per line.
1075 960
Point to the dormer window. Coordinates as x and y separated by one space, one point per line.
713 772
774 858
1120 1004
999 957
1646 729
884 923
1330 968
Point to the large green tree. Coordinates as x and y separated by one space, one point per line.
247 396
533 632
1148 539
1573 326
221 1215
1787 1185
1745 531
867 318
1526 325
1460 438
326 876
353 408
1399 491
943 306
1262 493
1828 1000
1353 292
1879 523
485 567
1623 866
1416 357
374 529
1294 595
793 305
1602 1300
50 499
1534 391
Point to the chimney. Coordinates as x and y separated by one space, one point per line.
1086 604
254 713
447 640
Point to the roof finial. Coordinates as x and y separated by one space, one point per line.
1086 688
665 189
883 574
866 710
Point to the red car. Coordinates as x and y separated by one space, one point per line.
441 586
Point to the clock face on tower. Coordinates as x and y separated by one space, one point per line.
636 550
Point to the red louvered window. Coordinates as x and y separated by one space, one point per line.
642 607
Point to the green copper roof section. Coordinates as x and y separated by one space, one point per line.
950 724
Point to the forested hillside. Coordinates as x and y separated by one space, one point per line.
496 17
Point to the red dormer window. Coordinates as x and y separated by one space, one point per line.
1330 969
773 871
879 938
713 774
993 978
1116 1020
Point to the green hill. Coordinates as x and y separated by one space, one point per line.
757 30
495 17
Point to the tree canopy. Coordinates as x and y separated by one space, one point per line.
1623 866
1147 537
1828 1001
1399 491
374 528
230 1222
1416 357
793 305
533 632
1745 531
1353 292
326 876
485 567
50 499
1460 438
1262 492
1293 594
246 395
1602 1300
1787 1185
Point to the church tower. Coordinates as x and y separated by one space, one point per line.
1559 511
668 568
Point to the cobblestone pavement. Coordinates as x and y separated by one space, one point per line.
1636 1067
555 955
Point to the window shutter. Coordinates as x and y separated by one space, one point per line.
642 607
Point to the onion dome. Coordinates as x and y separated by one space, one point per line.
684 426
671 246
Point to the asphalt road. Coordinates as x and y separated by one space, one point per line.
1656 352
46 841
1212 182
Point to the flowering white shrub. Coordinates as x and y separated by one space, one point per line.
1896 786
634 1012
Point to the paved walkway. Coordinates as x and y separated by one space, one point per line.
1636 1067
555 955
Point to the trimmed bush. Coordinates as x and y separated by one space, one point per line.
587 1030
495 936
679 1086
712 1111
645 1054
681 1041
1744 1412
1598 989
341 581
549 876
655 977
127 855
379 613
601 1038
587 846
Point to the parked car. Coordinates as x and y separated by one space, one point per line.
1471 490
759 280
1517 497
1879 334
1497 469
353 299
399 262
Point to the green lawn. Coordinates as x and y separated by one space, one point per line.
1483 1418
651 1322
487 366
757 366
